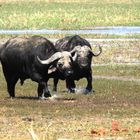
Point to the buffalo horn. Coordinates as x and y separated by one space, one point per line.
75 49
54 57
100 51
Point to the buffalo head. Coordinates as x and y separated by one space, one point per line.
84 55
61 62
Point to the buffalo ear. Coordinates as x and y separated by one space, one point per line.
52 69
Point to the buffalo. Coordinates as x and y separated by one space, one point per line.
82 64
34 58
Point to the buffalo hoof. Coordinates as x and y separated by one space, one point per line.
92 91
84 91
45 96
87 91
72 90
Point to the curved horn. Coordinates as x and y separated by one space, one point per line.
100 51
75 49
54 57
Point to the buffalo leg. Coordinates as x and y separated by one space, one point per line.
89 83
11 80
55 81
43 91
70 85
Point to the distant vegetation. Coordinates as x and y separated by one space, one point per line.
67 14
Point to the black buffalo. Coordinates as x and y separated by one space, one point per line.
32 57
83 59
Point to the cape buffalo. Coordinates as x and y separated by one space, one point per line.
31 57
82 64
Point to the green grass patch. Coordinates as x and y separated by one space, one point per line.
68 14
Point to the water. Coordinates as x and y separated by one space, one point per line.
111 30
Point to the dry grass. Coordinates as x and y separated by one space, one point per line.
49 120
118 52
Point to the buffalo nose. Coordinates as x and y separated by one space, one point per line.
84 65
69 73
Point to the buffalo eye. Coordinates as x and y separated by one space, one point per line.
60 65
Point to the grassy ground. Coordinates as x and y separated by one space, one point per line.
131 71
118 52
112 112
60 14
